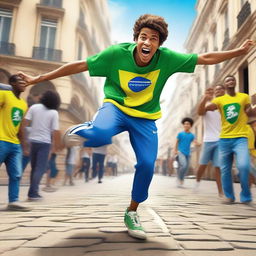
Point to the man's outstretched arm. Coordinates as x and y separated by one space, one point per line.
65 70
217 57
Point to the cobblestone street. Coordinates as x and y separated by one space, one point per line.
87 219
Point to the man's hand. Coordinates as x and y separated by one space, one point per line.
28 79
247 45
209 92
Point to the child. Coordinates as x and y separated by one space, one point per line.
182 149
70 162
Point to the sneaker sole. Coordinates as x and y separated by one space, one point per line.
137 235
18 209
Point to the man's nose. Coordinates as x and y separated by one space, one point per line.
147 41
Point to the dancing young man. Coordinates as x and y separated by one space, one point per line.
135 76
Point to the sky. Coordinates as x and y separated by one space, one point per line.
179 14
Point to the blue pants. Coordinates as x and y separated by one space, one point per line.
229 148
39 154
98 165
110 121
86 167
183 165
11 155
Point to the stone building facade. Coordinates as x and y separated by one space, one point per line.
219 25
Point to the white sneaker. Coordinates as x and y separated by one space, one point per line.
133 224
197 185
71 139
16 206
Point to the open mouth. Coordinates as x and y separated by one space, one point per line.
145 51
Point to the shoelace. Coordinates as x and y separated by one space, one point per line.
135 220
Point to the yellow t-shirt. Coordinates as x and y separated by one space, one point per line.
12 111
251 141
233 117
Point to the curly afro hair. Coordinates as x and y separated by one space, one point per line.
187 119
151 21
51 100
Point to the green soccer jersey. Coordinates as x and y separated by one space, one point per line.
133 89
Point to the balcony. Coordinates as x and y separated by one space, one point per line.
47 54
243 14
50 8
11 3
54 3
7 48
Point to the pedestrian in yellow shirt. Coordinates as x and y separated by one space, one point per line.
12 110
251 146
234 108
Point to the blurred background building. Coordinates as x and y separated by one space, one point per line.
37 36
219 25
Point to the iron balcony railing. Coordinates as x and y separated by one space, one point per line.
7 48
47 54
54 3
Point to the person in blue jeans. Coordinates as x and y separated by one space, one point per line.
12 110
44 134
136 74
182 149
98 158
234 108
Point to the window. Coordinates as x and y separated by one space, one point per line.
55 3
5 24
215 44
226 30
242 2
82 19
48 33
80 50
226 19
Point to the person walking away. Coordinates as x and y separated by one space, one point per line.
71 159
98 157
44 121
51 174
85 156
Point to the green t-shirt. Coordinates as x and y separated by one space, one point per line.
133 89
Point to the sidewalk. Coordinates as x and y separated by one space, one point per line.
87 219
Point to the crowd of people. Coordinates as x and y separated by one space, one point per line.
30 136
228 135
135 75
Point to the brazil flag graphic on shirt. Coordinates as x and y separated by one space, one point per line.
139 88
231 112
17 115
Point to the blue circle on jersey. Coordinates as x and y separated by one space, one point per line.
139 83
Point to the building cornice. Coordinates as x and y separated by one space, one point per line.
10 3
24 61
